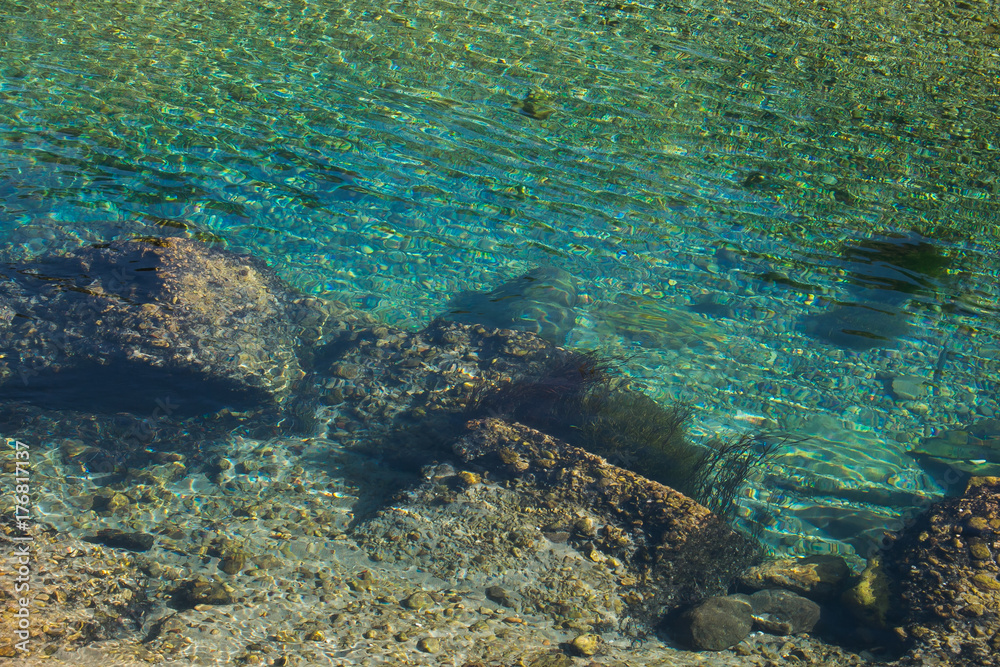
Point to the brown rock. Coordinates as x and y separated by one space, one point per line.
815 577
782 612
163 325
670 537
949 600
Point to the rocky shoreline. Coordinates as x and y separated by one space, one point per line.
370 495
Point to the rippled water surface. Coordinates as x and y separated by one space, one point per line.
716 175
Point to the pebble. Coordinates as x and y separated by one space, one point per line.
419 600
346 371
429 645
500 595
586 644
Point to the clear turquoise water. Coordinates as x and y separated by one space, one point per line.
379 154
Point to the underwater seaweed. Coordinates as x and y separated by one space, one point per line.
633 431
579 399
725 468
540 400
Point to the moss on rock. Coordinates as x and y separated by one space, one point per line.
868 599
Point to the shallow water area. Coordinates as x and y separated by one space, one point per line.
780 213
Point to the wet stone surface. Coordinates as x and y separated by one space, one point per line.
947 576
782 612
150 323
661 535
718 623
815 577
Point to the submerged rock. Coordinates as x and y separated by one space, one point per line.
897 263
668 538
868 597
586 644
883 273
782 612
199 591
153 324
537 104
859 326
119 539
972 449
946 575
409 393
542 301
653 324
815 577
907 387
578 539
488 537
717 623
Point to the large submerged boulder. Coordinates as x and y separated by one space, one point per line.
579 539
420 386
542 301
679 546
147 325
946 572
971 449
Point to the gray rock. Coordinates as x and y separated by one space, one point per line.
908 387
501 596
542 301
782 612
717 623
